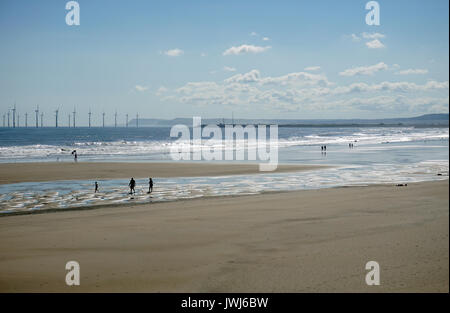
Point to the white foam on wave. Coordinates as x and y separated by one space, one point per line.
121 148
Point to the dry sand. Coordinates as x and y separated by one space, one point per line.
31 172
305 241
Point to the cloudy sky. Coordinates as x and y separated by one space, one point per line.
258 59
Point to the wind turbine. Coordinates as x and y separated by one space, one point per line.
37 116
18 119
74 112
4 118
103 119
137 120
14 115
42 119
56 117
26 119
126 122
89 118
115 119
8 116
69 120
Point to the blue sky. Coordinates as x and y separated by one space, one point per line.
258 59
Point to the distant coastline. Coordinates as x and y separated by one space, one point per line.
428 120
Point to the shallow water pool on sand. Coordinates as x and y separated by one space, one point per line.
30 196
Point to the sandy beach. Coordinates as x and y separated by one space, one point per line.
137 141
50 171
302 241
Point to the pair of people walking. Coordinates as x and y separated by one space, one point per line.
132 185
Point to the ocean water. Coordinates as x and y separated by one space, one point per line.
154 143
380 155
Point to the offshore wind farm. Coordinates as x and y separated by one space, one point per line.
11 119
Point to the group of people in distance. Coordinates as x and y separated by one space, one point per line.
132 185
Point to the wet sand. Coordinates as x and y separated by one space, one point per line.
31 172
302 241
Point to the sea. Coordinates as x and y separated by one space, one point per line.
378 155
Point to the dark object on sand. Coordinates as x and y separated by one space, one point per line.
402 185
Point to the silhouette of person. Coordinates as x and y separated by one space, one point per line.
96 187
132 184
75 156
150 185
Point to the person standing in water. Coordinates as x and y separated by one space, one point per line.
132 184
75 156
96 187
150 185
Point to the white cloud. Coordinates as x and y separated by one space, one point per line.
250 77
355 37
372 35
140 88
313 92
174 52
253 34
161 91
229 69
374 39
298 78
245 49
412 71
266 38
390 87
295 79
375 44
312 68
432 84
364 70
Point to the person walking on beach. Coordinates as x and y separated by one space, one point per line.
96 187
132 184
75 155
150 185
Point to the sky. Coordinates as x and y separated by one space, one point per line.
254 58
